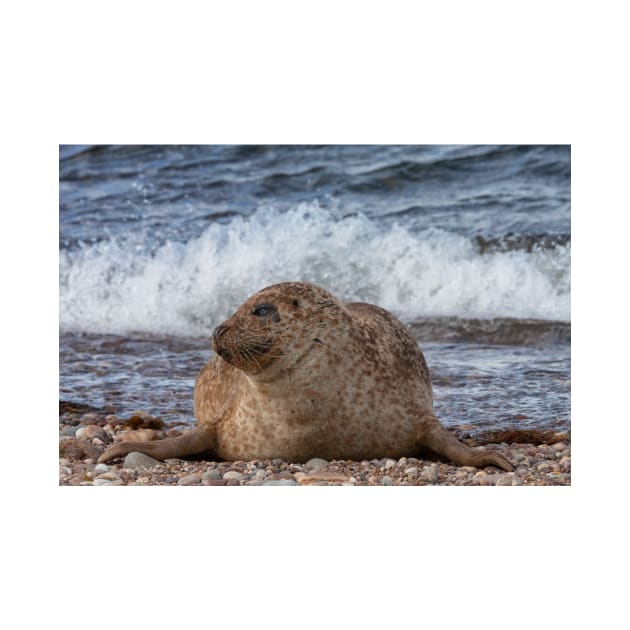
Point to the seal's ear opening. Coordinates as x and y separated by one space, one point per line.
296 303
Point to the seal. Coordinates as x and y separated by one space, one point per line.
297 374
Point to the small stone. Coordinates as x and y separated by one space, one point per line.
470 469
276 462
93 431
280 482
430 474
322 475
316 462
389 463
139 460
109 475
285 474
559 446
212 474
233 474
101 468
505 480
215 482
262 474
412 471
189 480
232 482
387 481
69 431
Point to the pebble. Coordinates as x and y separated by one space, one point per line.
189 480
139 460
387 481
505 480
430 474
280 482
315 463
232 482
92 431
389 463
233 474
211 474
100 468
412 471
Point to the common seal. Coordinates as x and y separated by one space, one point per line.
298 374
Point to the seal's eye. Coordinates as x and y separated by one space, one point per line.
263 311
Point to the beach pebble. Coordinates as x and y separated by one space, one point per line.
69 431
387 481
189 480
212 474
315 463
92 431
505 480
285 474
430 474
280 482
412 471
101 468
232 482
233 474
388 463
139 460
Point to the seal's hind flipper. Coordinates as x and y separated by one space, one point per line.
434 436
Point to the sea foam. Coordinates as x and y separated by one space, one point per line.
119 286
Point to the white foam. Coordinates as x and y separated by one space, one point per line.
188 288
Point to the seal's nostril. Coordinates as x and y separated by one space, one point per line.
219 331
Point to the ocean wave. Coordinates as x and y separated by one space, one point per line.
117 286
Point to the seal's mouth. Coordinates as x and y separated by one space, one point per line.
253 356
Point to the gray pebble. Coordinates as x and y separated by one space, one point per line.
430 474
233 474
276 462
189 480
505 480
69 431
211 474
412 471
387 481
139 460
101 468
316 463
389 463
280 482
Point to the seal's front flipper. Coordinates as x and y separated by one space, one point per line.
191 443
442 442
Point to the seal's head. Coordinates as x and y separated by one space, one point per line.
278 327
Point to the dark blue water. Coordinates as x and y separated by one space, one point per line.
470 245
